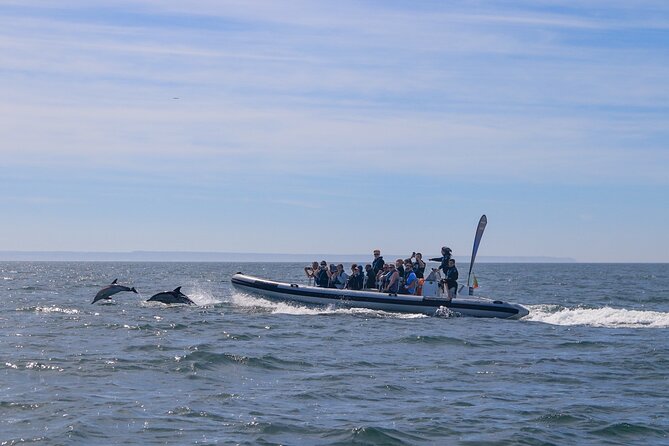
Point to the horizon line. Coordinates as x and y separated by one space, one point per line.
225 256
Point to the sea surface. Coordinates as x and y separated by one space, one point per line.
589 365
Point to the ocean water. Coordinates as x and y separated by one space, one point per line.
589 365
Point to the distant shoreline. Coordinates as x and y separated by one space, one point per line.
185 256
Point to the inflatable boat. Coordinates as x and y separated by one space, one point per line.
431 302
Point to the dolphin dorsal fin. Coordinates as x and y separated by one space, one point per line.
114 282
177 289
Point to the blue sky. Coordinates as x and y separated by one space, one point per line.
314 126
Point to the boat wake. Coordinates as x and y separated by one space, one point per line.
597 317
203 298
264 305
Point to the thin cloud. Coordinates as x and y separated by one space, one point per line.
500 89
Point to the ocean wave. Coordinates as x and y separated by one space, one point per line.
373 435
207 360
433 339
630 430
597 317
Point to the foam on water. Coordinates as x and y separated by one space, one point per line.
203 297
248 301
598 317
50 309
252 302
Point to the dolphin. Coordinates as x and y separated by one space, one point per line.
108 291
171 297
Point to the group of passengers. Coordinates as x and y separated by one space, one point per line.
404 276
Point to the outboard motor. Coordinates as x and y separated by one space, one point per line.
431 286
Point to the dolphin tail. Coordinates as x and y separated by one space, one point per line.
133 290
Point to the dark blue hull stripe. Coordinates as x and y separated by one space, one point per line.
296 291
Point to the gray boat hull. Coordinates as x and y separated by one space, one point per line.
465 306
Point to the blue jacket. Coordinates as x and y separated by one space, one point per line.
411 282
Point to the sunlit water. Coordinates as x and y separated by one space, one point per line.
587 366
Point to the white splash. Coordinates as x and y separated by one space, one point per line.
248 301
54 309
203 297
598 317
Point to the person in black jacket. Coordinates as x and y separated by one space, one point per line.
361 277
354 282
371 276
378 262
399 265
321 278
418 265
445 257
452 279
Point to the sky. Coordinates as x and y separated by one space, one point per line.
336 126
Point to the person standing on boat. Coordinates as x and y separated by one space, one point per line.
451 279
410 280
370 282
445 257
378 262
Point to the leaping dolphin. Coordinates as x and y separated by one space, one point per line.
108 291
171 297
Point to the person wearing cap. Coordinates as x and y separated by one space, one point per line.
445 257
378 262
321 279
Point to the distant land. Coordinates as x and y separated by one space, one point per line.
185 256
